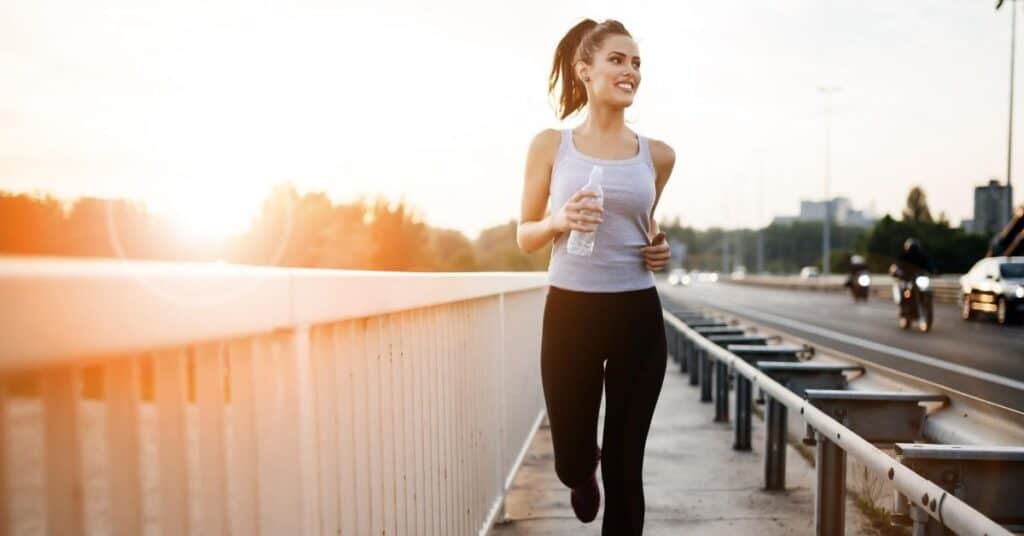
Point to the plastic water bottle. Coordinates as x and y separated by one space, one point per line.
582 243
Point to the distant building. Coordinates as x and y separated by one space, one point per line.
843 213
991 209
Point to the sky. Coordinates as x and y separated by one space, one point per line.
198 108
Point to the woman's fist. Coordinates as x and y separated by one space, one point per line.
657 254
580 213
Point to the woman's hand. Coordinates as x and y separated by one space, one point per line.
580 213
657 254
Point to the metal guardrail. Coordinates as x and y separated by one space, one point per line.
835 441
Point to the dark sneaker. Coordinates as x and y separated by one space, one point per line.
586 498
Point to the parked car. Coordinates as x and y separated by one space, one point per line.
808 272
678 277
995 285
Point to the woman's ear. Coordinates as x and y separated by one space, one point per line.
582 71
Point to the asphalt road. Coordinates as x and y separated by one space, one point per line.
979 358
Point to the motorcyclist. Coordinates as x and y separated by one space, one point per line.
857 265
913 261
858 280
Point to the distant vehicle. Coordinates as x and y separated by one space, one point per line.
707 277
807 272
739 272
859 279
995 285
678 277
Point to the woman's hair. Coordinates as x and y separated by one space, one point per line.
580 44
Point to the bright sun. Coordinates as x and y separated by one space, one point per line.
210 218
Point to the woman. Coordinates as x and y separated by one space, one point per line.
602 317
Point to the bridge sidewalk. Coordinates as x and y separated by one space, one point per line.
694 482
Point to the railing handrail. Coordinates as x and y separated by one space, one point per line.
950 511
57 309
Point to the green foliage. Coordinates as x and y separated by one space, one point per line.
497 250
310 230
952 250
916 210
292 229
787 247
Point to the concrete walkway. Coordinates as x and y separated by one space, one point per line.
694 482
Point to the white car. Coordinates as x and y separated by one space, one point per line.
994 285
807 272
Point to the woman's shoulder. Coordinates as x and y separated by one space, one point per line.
661 153
545 144
663 158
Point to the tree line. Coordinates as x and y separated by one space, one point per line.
787 247
310 230
291 229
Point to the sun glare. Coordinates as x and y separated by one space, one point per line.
209 219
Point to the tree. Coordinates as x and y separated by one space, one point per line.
917 207
30 225
497 250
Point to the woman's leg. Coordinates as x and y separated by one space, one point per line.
634 373
572 374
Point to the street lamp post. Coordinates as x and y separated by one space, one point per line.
826 245
1009 135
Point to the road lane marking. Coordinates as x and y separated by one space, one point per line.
879 347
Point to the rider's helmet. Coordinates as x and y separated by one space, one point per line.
856 259
912 245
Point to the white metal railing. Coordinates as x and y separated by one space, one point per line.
953 513
145 398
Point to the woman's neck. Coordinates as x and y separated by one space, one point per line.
604 122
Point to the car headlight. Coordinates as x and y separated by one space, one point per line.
1019 292
923 282
864 280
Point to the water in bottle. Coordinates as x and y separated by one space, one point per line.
582 243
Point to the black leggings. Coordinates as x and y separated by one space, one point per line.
581 331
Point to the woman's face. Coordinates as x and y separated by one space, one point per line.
615 74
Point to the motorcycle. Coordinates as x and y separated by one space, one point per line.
860 285
915 297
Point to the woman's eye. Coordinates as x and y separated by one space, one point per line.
615 59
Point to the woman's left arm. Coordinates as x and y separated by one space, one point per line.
656 255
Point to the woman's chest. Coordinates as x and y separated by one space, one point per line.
627 189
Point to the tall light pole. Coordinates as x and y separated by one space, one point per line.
826 245
760 215
1009 135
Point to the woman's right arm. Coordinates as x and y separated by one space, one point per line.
535 229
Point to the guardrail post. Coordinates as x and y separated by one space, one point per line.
742 440
830 499
684 352
705 376
721 392
694 365
775 447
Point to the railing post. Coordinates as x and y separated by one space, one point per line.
742 441
670 341
684 353
705 376
830 499
721 392
693 366
775 447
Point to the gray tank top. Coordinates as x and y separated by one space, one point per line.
617 263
